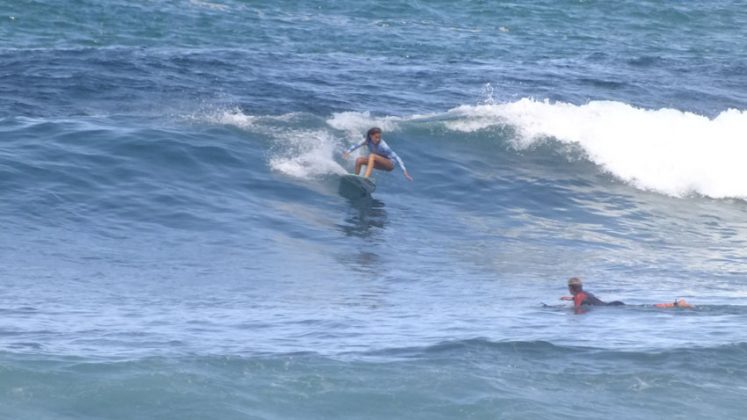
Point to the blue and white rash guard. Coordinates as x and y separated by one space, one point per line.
381 149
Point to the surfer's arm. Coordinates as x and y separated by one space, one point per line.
352 148
401 164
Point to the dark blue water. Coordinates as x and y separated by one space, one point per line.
173 243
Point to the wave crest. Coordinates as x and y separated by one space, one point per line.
666 150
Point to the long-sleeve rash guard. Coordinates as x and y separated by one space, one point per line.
381 149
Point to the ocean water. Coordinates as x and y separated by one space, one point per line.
173 245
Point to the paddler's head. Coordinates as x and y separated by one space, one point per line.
374 135
575 285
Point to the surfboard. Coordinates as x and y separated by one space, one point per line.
355 186
677 304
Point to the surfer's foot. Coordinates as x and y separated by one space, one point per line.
678 303
681 303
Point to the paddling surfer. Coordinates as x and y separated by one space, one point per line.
583 298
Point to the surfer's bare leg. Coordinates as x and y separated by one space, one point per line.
358 163
370 164
378 162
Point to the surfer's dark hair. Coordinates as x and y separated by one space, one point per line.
371 131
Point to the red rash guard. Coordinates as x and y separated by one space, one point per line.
585 298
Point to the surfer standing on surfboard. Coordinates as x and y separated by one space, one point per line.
380 156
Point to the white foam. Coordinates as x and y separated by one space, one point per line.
210 5
305 154
225 116
665 150
357 123
297 152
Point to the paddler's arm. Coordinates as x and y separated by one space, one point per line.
577 305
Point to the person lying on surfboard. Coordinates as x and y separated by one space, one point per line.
380 156
582 298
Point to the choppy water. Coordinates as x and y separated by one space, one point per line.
173 244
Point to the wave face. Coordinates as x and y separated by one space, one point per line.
174 245
665 150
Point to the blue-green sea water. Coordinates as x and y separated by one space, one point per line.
173 244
